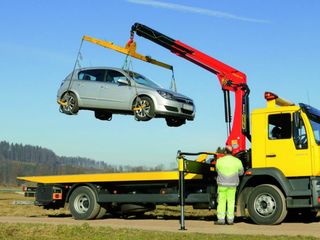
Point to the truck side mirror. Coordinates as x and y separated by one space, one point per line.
297 119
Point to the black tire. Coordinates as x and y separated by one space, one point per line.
101 213
83 203
128 209
175 122
104 116
71 105
267 205
143 108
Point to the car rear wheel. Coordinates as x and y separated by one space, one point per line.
69 104
143 109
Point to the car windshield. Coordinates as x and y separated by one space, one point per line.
314 117
142 80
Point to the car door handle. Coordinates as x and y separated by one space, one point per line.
271 155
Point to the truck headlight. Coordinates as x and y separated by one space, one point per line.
165 94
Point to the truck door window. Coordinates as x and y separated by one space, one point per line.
300 135
279 126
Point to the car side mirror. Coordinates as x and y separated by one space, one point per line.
123 81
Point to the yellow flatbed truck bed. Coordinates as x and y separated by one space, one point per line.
110 177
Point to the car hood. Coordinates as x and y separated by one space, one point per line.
178 95
175 94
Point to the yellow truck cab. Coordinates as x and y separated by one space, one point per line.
285 165
286 136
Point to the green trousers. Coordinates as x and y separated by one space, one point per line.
226 201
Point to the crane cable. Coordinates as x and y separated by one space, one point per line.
128 66
173 85
65 101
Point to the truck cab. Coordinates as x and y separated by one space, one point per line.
287 137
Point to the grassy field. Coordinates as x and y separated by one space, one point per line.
46 231
7 208
43 231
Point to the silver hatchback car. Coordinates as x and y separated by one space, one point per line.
107 91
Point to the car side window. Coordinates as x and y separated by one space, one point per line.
279 126
113 76
92 75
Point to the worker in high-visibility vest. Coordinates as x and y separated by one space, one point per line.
229 168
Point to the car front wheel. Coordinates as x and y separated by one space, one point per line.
143 109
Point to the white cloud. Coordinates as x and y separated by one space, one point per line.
202 11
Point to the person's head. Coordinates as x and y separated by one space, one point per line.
228 149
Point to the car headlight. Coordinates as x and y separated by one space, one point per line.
165 94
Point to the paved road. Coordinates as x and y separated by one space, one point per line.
200 226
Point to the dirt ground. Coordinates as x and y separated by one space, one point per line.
172 225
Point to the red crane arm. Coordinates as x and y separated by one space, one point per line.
230 80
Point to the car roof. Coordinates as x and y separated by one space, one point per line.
104 68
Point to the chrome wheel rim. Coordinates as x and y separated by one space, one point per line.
82 203
265 205
144 108
71 103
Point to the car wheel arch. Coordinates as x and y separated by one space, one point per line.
145 95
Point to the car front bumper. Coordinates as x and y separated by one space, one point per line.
167 108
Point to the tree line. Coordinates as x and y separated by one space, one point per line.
27 160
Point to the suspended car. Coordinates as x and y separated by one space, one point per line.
108 91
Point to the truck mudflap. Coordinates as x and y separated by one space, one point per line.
49 196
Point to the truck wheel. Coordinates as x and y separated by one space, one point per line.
83 203
128 209
266 205
101 213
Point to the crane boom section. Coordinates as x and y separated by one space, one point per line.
128 50
230 80
211 64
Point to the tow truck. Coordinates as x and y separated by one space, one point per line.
282 167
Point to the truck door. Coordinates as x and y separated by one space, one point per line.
287 145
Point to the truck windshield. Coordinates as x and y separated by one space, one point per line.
314 117
315 123
142 80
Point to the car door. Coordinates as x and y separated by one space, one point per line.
115 94
88 87
283 149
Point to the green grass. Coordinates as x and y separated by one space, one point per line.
52 232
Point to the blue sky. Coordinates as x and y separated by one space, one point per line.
276 43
